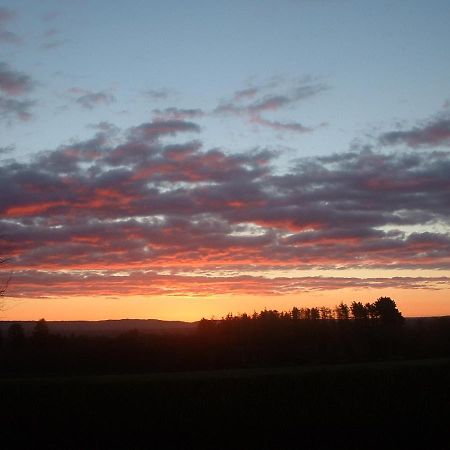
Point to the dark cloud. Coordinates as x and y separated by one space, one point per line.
6 36
7 149
6 15
157 128
157 94
105 127
90 99
14 83
281 126
12 109
434 133
131 202
178 114
37 284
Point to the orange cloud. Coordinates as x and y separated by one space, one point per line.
33 209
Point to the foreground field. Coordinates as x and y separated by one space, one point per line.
382 405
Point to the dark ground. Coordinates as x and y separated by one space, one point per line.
104 327
375 405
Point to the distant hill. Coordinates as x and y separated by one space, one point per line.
106 327
116 327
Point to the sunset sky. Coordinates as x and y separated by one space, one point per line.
179 159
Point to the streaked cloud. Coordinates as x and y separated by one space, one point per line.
157 128
433 133
178 113
38 284
250 103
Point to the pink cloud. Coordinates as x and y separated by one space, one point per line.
135 203
14 83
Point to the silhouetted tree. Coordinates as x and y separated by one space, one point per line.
371 310
326 313
342 312
40 332
315 314
295 313
305 313
269 315
359 311
387 311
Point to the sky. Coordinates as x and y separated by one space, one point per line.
179 160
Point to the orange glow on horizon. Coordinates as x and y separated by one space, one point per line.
412 303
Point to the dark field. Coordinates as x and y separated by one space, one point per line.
375 405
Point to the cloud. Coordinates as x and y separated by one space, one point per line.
6 15
105 127
434 133
14 83
53 44
245 94
90 99
251 103
6 36
38 284
281 126
274 102
130 201
178 113
157 94
50 39
12 109
157 128
6 149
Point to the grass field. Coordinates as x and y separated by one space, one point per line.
377 405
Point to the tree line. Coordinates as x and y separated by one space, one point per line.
347 333
383 310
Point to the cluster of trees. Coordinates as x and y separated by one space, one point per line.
356 332
384 310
